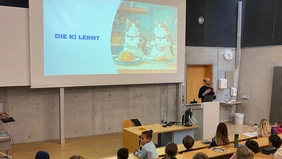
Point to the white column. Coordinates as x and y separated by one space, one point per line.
210 118
62 116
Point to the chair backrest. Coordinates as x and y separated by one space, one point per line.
128 123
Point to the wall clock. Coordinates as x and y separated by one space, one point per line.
228 54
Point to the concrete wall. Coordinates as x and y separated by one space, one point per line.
100 110
88 110
256 75
214 56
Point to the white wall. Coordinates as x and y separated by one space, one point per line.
256 75
214 56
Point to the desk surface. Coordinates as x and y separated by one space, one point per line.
157 128
130 156
5 139
230 103
229 149
263 156
193 104
199 145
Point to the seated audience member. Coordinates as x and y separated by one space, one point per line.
252 145
200 155
188 143
148 146
42 155
221 136
122 153
275 141
243 152
171 150
264 129
278 127
76 157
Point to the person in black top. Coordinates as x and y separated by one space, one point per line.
206 90
188 143
122 153
171 150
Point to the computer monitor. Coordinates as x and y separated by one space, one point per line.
185 117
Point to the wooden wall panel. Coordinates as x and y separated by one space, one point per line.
194 80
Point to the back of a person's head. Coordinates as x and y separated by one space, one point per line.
42 155
275 140
122 153
279 123
221 136
252 145
76 157
200 155
171 150
243 152
188 142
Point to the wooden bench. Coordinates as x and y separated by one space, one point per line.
229 150
199 145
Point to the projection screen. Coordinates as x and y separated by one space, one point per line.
109 42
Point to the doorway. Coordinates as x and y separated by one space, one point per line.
194 80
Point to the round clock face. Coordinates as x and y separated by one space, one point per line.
228 55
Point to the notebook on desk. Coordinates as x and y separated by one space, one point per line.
7 120
269 150
170 123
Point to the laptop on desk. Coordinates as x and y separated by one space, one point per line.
208 98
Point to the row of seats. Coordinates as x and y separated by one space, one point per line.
229 150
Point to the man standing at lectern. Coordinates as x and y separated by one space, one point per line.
206 90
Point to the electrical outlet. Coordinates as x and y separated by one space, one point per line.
245 97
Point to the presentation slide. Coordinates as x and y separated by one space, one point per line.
92 37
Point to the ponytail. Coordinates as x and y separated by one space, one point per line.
148 134
171 150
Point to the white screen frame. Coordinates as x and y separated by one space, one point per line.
38 80
14 47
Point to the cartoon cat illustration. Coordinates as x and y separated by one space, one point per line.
134 41
162 42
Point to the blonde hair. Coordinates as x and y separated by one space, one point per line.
264 128
243 152
76 157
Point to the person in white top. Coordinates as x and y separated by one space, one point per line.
148 149
275 141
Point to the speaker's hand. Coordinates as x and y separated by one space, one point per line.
207 91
